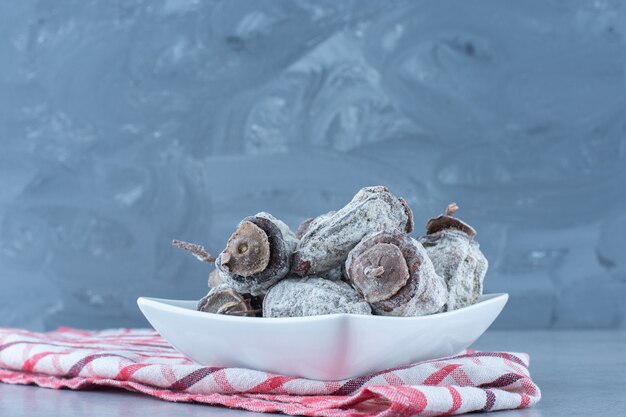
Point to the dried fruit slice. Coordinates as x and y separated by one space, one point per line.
379 272
448 221
456 257
306 225
225 300
327 241
312 296
248 276
422 292
247 251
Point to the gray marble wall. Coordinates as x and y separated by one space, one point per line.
124 124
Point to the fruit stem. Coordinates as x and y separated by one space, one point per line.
451 209
196 250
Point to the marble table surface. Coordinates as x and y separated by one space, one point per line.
580 373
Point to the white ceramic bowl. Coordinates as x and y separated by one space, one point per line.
330 347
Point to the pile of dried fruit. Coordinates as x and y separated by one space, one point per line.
359 259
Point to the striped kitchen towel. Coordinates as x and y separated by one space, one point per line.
140 360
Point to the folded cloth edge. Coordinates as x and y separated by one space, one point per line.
141 361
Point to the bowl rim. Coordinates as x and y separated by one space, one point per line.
168 306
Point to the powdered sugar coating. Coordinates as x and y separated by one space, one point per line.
215 278
424 293
335 274
306 225
312 296
328 241
288 236
482 265
282 245
458 259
